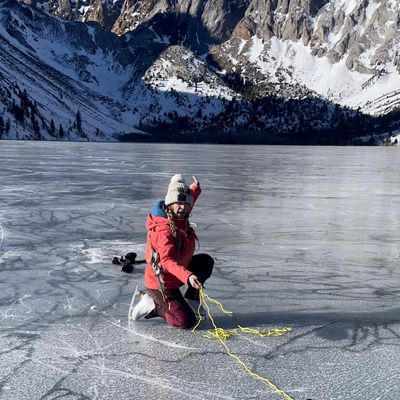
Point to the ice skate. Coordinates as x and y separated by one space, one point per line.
143 307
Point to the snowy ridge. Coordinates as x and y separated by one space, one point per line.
51 78
63 77
268 68
57 96
332 81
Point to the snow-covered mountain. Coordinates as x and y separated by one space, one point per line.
52 71
87 82
258 70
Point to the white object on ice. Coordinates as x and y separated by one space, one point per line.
142 307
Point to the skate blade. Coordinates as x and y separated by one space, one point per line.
135 293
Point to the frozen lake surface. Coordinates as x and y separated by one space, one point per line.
303 237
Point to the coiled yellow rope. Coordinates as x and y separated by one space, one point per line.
223 334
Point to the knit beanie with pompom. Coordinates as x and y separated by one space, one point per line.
178 191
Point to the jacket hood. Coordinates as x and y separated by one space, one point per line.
158 209
157 216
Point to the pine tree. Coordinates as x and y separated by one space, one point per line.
52 130
78 121
8 125
61 132
35 127
1 126
18 112
24 102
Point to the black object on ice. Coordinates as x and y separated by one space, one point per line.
127 262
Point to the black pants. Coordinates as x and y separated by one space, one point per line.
176 311
201 265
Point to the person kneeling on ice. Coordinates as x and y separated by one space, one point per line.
170 262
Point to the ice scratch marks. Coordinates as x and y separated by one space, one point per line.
9 312
5 254
100 365
2 236
1 243
74 349
165 384
79 350
151 338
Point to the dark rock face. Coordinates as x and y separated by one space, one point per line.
337 29
103 12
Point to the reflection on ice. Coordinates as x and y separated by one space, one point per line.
302 237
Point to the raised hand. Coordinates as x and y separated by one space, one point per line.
196 181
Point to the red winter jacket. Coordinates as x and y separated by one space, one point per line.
174 261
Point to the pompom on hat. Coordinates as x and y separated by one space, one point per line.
178 191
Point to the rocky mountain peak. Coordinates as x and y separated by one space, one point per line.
104 12
101 12
344 52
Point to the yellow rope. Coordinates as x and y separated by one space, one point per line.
223 334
